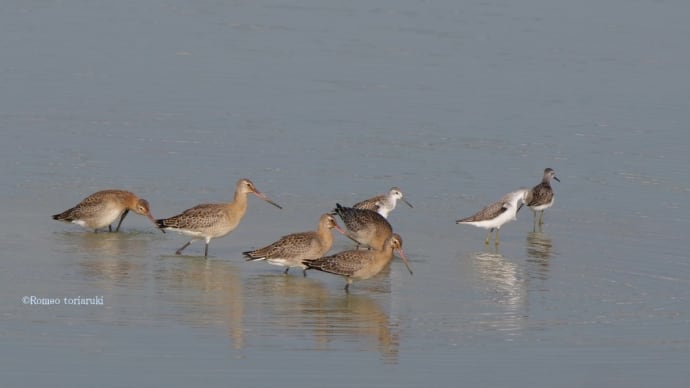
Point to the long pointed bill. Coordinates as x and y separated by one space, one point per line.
339 229
265 198
150 217
346 234
556 178
408 204
404 259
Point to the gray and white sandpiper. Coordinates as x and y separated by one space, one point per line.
384 203
497 214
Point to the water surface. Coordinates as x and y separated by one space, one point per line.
320 103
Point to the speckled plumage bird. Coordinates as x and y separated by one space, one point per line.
541 196
358 264
102 208
366 227
212 220
291 250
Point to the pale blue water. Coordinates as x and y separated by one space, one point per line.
455 102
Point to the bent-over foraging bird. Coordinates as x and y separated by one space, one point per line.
212 220
291 250
360 265
498 213
384 203
365 227
102 208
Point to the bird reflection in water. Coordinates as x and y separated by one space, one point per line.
295 308
506 287
109 260
540 251
123 244
110 265
203 293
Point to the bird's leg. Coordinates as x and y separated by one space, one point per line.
286 270
496 239
488 236
179 251
122 218
206 251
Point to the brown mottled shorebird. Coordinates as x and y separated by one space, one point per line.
498 213
360 265
213 220
291 250
383 204
365 227
102 208
541 196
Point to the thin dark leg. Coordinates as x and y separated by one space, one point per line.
110 228
286 270
122 218
347 285
304 272
206 251
179 251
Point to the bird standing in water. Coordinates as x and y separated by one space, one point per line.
359 265
293 249
541 196
365 227
102 208
212 220
497 214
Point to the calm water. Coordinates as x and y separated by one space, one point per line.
323 102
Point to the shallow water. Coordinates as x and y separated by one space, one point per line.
320 103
